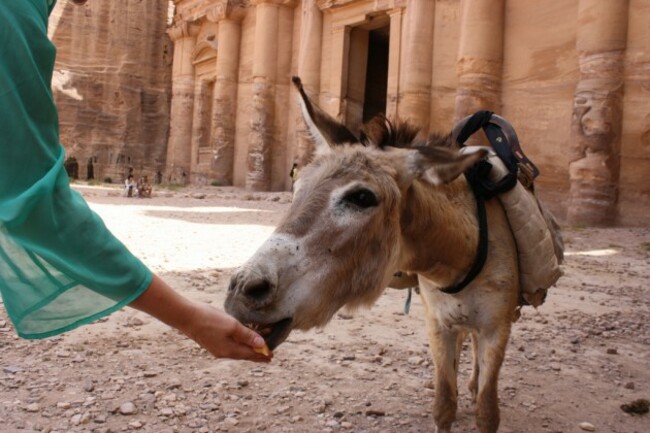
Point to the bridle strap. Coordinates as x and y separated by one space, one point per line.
500 134
481 252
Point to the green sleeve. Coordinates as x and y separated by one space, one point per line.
60 267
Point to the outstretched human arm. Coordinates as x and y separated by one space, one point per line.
213 329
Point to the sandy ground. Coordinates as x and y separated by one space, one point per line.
575 360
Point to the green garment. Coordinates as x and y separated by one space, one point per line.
60 267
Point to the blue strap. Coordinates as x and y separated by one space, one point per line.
407 305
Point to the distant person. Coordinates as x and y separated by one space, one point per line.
144 187
293 174
129 186
61 267
158 178
90 170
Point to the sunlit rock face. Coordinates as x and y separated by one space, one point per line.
571 76
112 85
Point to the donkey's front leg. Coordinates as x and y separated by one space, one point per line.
473 380
491 347
444 345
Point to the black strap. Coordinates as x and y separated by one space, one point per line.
481 252
484 189
499 142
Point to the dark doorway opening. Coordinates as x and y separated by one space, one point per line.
376 73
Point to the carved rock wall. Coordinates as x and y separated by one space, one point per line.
634 185
112 84
239 122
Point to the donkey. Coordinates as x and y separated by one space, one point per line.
366 207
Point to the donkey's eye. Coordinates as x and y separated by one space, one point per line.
362 198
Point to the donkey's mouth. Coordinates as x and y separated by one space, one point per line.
273 333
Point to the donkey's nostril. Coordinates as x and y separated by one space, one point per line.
257 290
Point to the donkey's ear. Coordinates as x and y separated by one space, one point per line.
441 165
324 130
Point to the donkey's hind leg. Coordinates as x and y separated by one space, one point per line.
444 349
491 347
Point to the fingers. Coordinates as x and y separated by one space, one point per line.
252 340
247 336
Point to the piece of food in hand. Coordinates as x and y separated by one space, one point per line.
264 350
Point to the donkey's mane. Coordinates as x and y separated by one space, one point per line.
383 132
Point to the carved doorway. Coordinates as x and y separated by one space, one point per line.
367 80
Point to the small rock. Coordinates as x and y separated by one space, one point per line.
63 405
135 425
134 321
63 354
32 407
232 421
638 407
174 383
11 369
3 323
415 360
612 351
76 419
587 426
375 412
629 385
89 387
128 408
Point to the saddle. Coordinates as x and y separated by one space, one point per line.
509 176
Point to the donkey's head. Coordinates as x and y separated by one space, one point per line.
341 240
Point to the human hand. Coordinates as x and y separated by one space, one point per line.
213 329
223 336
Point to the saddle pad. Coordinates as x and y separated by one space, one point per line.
537 236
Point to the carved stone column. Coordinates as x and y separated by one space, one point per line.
225 89
338 79
480 57
261 142
200 131
179 146
309 59
594 160
394 56
415 96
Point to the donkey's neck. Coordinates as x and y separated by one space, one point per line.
439 231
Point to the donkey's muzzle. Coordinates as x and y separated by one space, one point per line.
255 292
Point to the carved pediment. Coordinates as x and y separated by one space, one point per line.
204 50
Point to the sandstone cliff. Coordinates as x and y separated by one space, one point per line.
112 85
